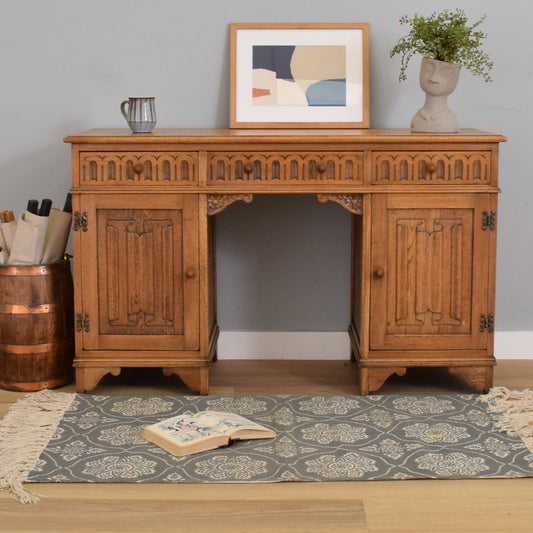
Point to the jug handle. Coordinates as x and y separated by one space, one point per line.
123 109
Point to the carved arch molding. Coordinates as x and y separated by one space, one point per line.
216 203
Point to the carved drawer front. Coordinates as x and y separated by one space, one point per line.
285 168
143 168
428 168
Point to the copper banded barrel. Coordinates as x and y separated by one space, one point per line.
36 326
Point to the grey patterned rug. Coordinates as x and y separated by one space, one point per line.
320 438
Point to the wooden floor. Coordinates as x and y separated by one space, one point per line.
419 506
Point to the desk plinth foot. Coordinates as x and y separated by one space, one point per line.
371 379
88 378
197 379
481 377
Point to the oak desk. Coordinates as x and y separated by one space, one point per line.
423 246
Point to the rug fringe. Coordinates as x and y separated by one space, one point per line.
516 410
24 433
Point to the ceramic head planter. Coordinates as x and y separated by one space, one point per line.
438 80
446 44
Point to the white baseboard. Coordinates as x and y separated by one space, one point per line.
336 345
513 344
283 345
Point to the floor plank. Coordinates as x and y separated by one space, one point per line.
167 515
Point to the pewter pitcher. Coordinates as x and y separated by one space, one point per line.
140 113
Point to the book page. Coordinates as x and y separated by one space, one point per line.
188 428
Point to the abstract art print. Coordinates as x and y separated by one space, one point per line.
299 75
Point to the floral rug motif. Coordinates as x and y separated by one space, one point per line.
320 438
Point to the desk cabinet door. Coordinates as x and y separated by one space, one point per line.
432 272
139 272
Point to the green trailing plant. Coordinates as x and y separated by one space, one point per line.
447 37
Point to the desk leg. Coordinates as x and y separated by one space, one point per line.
363 381
371 379
88 378
480 377
197 379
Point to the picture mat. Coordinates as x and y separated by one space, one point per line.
352 39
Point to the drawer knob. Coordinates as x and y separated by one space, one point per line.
379 272
138 168
248 168
321 168
190 273
431 167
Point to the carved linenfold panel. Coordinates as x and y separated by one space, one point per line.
141 269
350 202
427 168
432 281
216 203
284 167
120 168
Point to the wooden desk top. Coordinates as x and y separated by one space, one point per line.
326 136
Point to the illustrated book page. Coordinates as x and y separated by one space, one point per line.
192 433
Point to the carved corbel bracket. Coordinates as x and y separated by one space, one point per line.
218 202
350 202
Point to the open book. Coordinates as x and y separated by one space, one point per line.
206 430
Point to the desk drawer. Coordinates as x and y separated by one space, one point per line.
143 168
427 168
285 167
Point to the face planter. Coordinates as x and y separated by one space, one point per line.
438 79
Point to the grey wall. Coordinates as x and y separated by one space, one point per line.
67 64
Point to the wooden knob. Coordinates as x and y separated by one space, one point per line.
431 167
379 272
190 273
321 168
138 168
248 168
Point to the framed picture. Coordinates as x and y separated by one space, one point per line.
299 76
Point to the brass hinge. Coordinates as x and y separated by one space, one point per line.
80 221
486 323
82 322
488 221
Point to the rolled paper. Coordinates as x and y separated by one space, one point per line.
7 229
28 242
55 242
